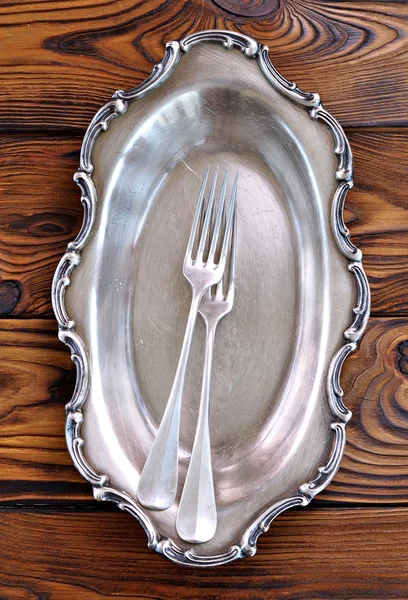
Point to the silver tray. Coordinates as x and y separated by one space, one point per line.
302 299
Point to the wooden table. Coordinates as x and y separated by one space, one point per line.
60 61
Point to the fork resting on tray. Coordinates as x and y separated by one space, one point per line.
211 246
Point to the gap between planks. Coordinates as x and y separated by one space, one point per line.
67 133
110 507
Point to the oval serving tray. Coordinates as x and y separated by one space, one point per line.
277 413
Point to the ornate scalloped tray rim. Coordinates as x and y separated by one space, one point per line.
72 258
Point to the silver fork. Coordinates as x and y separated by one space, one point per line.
158 482
197 514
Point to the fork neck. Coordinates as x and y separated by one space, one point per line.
188 335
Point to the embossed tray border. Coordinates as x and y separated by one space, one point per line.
72 258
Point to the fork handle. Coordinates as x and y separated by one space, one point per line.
157 487
197 514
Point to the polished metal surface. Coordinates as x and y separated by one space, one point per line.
197 513
277 418
203 268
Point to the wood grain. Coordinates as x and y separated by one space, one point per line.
307 554
37 379
375 382
62 60
41 213
377 216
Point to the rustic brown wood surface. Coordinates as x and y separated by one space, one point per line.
59 61
313 553
72 55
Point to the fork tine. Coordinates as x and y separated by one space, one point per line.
219 288
210 231
207 220
233 259
230 221
220 214
212 226
220 291
200 226
197 216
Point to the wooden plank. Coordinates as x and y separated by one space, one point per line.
62 60
319 553
38 378
375 382
377 216
41 213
